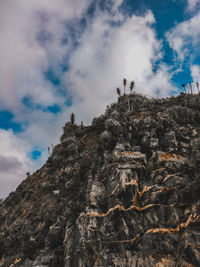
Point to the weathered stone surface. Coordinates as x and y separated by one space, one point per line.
124 192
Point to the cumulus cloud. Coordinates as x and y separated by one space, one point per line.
185 37
14 161
195 71
111 48
36 35
44 128
31 39
192 4
195 74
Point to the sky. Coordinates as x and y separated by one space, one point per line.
64 56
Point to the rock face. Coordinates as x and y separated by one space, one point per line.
124 191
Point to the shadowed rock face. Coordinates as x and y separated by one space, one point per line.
124 191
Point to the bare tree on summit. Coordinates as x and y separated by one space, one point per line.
131 86
118 91
124 83
191 88
198 87
72 118
183 85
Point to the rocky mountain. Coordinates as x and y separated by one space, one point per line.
124 191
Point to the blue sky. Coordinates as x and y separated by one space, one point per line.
65 56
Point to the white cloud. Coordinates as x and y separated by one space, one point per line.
195 72
43 129
31 35
14 162
185 37
192 4
108 53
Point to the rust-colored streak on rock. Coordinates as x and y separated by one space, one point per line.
170 157
15 263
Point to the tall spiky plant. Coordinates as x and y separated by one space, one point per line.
191 88
72 118
118 91
183 85
131 86
198 87
124 83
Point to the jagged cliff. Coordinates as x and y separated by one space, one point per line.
124 191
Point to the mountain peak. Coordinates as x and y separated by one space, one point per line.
123 191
